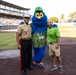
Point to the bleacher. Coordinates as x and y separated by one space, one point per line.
11 15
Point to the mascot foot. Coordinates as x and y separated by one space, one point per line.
34 64
41 65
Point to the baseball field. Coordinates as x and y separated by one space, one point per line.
68 54
68 31
7 41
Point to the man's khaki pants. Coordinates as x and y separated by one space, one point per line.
53 50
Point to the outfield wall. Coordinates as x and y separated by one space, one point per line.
8 27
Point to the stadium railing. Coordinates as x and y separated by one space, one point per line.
8 27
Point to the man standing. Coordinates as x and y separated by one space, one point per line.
24 33
53 37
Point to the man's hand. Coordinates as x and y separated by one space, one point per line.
19 46
47 47
57 46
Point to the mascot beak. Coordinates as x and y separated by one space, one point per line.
39 17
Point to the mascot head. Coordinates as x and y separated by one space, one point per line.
39 20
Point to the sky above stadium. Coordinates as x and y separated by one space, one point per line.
51 7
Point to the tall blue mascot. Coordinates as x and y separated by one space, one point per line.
39 28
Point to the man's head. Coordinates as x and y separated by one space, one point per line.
50 22
26 18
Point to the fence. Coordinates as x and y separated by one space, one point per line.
8 27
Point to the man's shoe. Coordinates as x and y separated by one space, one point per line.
60 69
34 64
53 68
23 72
30 68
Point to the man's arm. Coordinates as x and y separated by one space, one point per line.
58 37
17 39
58 41
18 35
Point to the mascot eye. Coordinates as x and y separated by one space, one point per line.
41 14
37 14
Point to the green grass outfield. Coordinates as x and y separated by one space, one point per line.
8 41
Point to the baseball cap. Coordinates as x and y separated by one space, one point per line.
38 9
26 15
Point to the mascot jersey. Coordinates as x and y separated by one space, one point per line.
39 29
